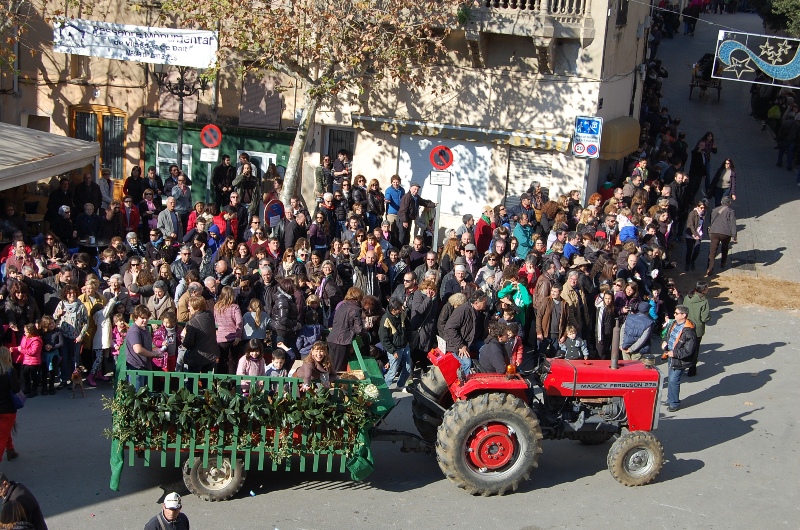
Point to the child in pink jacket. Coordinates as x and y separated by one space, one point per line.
30 353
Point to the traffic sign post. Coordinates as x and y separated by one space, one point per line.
211 136
441 157
439 179
209 156
586 138
586 144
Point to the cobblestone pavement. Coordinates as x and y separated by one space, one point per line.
767 196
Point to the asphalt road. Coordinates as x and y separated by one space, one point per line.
731 452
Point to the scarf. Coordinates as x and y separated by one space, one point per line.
72 307
486 219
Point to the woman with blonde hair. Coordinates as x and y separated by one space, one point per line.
228 318
448 256
90 298
376 205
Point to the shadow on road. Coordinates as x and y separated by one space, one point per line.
714 361
731 385
680 435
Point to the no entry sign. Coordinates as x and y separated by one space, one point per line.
441 157
211 136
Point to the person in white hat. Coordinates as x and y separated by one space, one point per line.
170 516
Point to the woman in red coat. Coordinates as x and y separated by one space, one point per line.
483 230
130 215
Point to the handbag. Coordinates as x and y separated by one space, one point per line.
17 399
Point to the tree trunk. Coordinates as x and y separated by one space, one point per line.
296 155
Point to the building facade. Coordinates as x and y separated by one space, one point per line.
503 99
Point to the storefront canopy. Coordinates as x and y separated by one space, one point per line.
28 155
539 140
620 138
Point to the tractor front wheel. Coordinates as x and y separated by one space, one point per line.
487 445
214 483
636 458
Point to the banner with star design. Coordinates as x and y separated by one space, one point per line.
751 58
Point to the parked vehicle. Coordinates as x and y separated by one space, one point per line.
489 428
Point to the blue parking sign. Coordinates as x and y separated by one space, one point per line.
586 138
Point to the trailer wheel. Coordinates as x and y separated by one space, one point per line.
636 458
214 483
487 445
593 438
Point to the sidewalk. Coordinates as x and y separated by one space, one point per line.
767 196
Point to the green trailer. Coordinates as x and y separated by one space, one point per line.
204 424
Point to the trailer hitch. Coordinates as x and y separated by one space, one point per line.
412 443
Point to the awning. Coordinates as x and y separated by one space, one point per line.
463 132
28 155
620 138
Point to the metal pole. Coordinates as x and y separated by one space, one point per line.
436 219
180 132
208 183
585 190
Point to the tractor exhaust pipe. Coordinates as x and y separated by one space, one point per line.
615 346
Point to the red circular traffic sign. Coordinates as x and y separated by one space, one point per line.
211 136
441 157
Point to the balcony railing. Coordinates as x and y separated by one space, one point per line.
570 11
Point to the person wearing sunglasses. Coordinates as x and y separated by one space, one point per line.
130 215
678 348
149 208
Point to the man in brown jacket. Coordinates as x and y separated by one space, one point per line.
551 322
543 284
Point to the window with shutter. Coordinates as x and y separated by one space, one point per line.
106 125
526 166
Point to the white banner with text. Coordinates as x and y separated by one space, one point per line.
178 47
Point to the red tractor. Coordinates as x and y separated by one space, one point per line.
489 427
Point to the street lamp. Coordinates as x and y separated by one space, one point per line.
182 88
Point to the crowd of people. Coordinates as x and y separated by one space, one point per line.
546 271
235 293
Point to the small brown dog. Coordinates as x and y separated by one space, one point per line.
77 382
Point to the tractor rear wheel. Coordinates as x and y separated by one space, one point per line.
487 445
214 483
432 385
594 437
635 459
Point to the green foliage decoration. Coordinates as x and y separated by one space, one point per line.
330 419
